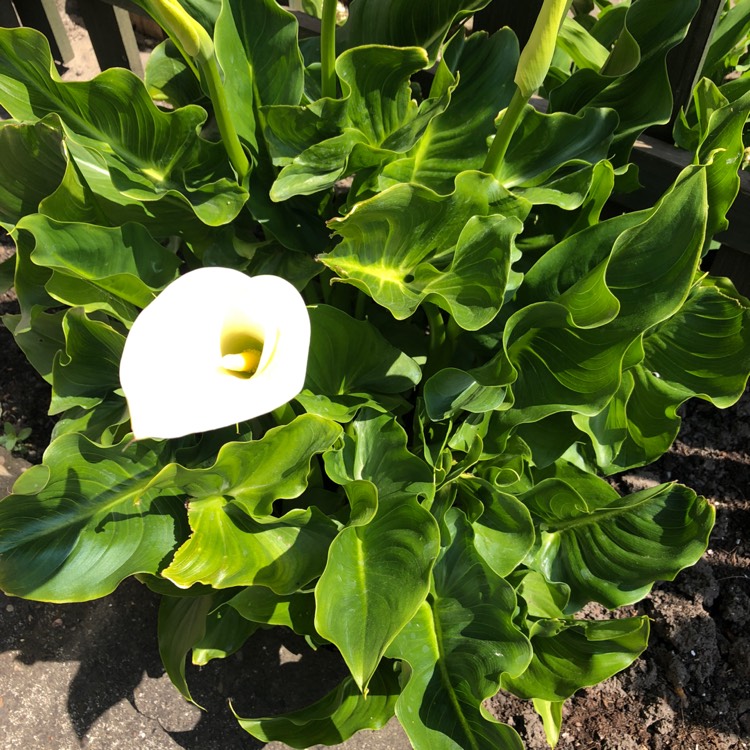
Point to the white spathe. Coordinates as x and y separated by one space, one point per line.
182 366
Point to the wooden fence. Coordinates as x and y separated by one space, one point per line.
110 26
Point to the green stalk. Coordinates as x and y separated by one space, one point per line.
505 129
210 70
197 48
533 65
328 50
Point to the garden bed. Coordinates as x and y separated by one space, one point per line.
690 690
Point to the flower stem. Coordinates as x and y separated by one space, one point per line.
328 50
505 129
197 48
210 70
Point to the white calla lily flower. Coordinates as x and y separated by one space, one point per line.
215 348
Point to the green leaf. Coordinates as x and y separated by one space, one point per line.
257 49
116 270
260 604
169 78
450 391
334 718
640 95
351 365
612 549
40 337
459 643
182 623
146 153
393 242
542 144
378 570
405 23
570 352
704 347
702 350
504 532
229 547
96 519
85 372
23 185
731 32
570 655
226 633
231 510
456 139
375 450
375 117
581 45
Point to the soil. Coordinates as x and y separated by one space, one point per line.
689 691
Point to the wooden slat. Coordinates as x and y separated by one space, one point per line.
43 16
112 35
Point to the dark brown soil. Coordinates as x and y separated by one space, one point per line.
690 691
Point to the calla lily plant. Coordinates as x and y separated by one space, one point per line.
215 348
431 500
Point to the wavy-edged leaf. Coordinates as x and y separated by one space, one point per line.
256 473
229 547
456 139
375 450
257 48
702 350
403 23
375 119
378 571
146 153
235 540
503 531
88 369
392 243
261 605
570 655
226 633
570 352
640 95
96 519
612 549
23 185
543 143
115 270
335 717
459 643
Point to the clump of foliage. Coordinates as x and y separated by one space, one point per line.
488 342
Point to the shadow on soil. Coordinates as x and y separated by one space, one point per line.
114 642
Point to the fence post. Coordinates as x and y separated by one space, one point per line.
43 16
112 35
